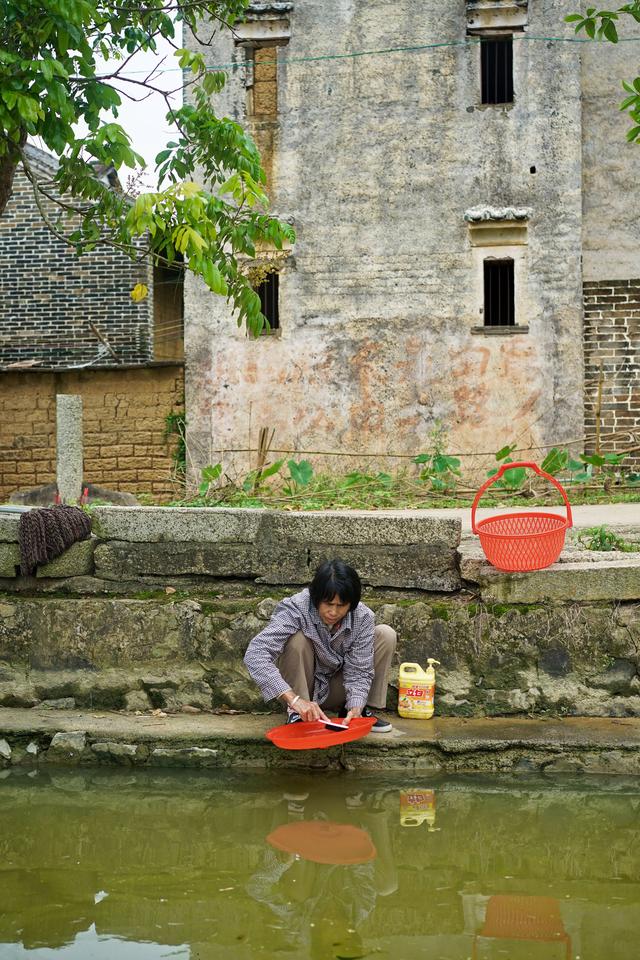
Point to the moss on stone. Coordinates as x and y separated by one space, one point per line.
441 611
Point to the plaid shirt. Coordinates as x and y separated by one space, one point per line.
349 649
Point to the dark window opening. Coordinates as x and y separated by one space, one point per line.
496 57
168 311
268 293
499 299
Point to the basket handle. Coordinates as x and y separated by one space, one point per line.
512 466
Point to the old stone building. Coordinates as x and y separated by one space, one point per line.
467 235
68 325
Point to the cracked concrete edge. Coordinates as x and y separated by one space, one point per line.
243 525
601 747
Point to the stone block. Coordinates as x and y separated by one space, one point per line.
5 751
577 581
67 747
362 528
9 559
413 567
388 550
69 446
184 757
116 559
122 754
9 527
619 678
63 703
176 524
137 700
77 561
18 693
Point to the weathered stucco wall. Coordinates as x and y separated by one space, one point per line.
376 160
611 166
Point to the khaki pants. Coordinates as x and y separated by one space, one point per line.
297 666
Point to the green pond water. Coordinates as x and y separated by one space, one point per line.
115 865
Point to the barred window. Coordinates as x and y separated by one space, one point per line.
268 292
499 295
496 59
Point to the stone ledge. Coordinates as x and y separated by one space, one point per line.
550 746
181 524
409 549
579 576
226 525
9 527
76 561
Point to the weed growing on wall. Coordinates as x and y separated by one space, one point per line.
175 426
435 479
603 539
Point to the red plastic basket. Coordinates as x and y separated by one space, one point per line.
517 542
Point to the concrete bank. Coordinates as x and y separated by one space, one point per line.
578 745
157 609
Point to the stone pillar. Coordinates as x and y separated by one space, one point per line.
69 466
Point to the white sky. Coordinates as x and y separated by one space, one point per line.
145 121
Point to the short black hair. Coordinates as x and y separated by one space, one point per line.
335 578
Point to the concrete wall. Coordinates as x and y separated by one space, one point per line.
376 159
124 422
611 166
158 608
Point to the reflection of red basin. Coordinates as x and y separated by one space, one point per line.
315 735
514 917
324 842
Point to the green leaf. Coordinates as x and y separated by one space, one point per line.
505 451
422 458
271 470
555 461
513 479
444 464
211 474
301 472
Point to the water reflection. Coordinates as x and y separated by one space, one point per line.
320 876
138 867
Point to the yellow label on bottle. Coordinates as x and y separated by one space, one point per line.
416 699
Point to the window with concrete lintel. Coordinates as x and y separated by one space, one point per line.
494 23
264 31
499 292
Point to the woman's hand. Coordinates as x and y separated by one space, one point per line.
309 710
354 712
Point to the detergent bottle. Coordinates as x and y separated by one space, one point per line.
416 690
417 807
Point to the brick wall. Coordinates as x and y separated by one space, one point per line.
49 295
123 415
612 343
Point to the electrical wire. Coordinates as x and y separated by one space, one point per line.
381 51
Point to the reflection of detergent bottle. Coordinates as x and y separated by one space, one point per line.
416 690
416 807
